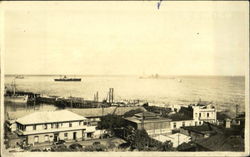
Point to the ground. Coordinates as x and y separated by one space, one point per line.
106 142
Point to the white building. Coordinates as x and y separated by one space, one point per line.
204 113
182 123
51 126
176 139
201 114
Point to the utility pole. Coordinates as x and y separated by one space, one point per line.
143 120
97 96
178 139
71 105
236 110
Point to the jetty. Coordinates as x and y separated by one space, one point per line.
75 102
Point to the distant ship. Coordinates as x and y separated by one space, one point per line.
16 99
19 77
156 76
19 99
68 79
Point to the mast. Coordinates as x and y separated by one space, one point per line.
14 86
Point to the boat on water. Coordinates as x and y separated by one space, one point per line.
67 79
13 97
156 76
16 99
19 77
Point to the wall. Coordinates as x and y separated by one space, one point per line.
201 114
31 138
194 135
187 123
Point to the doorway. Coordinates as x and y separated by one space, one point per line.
74 135
56 137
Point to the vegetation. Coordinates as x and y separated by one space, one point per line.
141 141
111 122
93 148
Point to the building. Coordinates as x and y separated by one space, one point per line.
198 132
193 115
177 124
205 113
221 142
94 114
52 126
176 139
152 123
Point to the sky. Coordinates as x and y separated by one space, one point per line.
125 38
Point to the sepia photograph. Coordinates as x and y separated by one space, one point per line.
137 78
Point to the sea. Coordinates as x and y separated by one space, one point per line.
223 91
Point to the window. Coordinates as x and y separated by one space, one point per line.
207 114
65 135
200 122
45 126
34 127
79 122
57 125
70 124
52 125
61 124
199 114
183 123
85 123
174 125
89 135
36 139
46 138
195 123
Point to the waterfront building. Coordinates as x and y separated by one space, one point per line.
152 123
205 113
193 115
52 126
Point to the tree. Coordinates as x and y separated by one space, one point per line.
111 122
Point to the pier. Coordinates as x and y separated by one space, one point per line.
73 102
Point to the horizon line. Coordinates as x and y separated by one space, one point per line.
159 75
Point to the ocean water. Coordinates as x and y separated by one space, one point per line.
225 92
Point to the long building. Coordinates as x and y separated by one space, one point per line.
52 126
153 124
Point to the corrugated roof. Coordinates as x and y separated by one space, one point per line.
49 116
180 117
221 142
85 112
13 115
97 112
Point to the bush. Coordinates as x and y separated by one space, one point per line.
97 148
75 146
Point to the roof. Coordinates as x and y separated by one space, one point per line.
49 117
202 128
13 115
176 138
98 112
180 117
221 142
138 120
